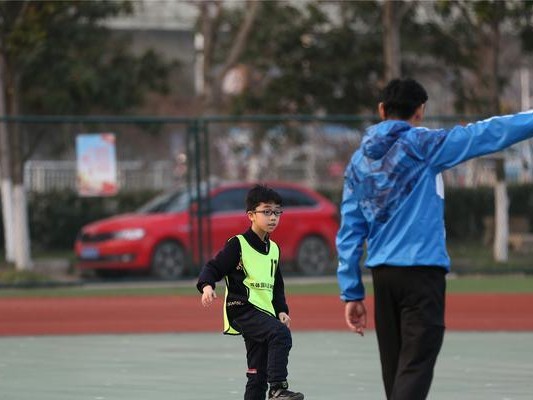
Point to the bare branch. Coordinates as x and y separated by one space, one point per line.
210 13
466 13
404 8
242 37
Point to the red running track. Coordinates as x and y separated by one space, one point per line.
158 314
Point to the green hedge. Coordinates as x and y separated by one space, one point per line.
56 217
464 211
466 208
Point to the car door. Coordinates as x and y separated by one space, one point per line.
300 211
228 217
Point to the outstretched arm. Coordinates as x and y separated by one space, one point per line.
461 143
220 266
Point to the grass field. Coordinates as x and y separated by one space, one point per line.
474 257
326 286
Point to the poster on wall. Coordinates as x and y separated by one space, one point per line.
96 164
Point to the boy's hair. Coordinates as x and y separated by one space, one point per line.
261 194
401 98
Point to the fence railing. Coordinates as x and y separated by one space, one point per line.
161 153
45 176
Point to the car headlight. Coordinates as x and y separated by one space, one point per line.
130 234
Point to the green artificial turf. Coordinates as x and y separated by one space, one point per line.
461 284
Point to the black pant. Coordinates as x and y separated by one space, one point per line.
268 343
409 317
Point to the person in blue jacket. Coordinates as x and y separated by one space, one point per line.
393 200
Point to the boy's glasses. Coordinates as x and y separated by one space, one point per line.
269 213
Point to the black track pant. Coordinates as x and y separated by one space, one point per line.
268 343
409 317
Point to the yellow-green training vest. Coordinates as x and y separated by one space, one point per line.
260 270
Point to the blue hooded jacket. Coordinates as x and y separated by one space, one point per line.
393 195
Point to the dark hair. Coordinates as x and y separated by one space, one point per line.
261 194
401 98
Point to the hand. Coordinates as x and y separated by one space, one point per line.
355 315
285 319
208 295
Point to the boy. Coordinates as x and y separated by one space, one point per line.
255 303
394 200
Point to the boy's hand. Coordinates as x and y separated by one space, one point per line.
285 319
208 295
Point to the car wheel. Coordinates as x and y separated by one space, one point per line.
313 256
169 260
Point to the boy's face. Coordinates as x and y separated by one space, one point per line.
264 218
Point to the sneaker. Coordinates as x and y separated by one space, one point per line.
281 392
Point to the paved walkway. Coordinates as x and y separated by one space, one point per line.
323 365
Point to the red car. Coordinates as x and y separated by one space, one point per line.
162 236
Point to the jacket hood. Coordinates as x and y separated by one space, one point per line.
381 137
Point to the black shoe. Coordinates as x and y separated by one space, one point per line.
281 392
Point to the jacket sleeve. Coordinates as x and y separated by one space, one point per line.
278 300
462 143
220 266
350 240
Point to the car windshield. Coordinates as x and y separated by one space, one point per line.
166 203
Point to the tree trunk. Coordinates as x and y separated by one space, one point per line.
501 202
20 214
210 15
8 218
501 221
391 39
5 167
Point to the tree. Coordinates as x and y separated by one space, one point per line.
5 171
216 64
58 58
393 13
304 58
477 29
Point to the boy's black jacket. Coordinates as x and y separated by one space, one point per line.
226 263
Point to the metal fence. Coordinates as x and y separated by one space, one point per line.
44 176
162 153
